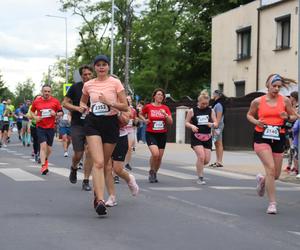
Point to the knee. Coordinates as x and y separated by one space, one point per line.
156 157
98 165
271 172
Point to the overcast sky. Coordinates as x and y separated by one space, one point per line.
30 41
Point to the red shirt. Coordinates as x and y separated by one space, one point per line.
157 121
43 108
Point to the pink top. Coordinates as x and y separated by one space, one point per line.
109 87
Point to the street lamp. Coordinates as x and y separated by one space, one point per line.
66 25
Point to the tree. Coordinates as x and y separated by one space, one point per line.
4 91
24 91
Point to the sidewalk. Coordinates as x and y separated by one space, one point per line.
242 162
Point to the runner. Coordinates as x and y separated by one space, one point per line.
71 102
26 136
11 107
117 164
47 108
200 120
106 95
19 118
269 135
2 109
65 130
130 127
5 125
157 116
218 107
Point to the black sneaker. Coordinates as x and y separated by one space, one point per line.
100 207
116 179
128 167
86 186
73 175
151 176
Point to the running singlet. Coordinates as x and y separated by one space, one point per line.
157 121
43 108
271 118
110 89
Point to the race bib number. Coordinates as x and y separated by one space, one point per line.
46 113
202 119
65 117
271 132
20 116
5 118
100 108
130 122
158 125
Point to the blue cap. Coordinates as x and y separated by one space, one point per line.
103 58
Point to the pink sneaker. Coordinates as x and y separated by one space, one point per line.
260 187
133 186
111 202
272 208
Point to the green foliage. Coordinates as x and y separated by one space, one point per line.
24 91
5 93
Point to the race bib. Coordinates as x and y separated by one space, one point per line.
100 108
5 118
65 117
20 116
158 125
202 119
271 132
46 113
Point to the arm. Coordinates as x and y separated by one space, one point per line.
215 122
67 103
83 102
252 113
290 113
188 123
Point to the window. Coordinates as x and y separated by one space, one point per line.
221 87
244 43
283 32
239 88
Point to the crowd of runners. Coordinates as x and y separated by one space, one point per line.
100 121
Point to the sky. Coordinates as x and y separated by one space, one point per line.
30 41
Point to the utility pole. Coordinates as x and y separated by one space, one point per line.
127 45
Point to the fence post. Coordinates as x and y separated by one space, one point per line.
180 123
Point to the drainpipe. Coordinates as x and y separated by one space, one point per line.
257 49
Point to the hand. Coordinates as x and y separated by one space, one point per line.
194 129
284 115
147 121
163 112
102 98
260 123
38 118
80 109
210 124
52 112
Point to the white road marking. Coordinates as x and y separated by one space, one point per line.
26 157
33 160
3 163
209 209
175 188
64 172
18 174
222 173
139 176
171 173
293 232
18 154
253 188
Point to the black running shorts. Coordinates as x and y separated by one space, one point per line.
121 149
158 139
45 135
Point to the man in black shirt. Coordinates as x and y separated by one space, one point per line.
71 102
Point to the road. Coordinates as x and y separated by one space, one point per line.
47 212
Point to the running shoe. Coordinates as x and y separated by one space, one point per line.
66 154
272 208
44 169
287 169
201 181
28 145
116 179
111 202
298 176
73 175
260 187
133 186
151 177
86 186
128 167
155 177
213 165
100 207
219 165
4 145
293 172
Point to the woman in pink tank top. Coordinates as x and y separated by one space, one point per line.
268 113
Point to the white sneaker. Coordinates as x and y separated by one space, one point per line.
133 186
201 181
4 145
298 176
111 201
260 187
66 154
272 208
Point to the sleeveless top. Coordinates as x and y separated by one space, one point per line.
201 118
271 115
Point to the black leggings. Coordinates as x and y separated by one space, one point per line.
36 145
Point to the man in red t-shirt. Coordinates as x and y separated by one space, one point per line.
44 110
